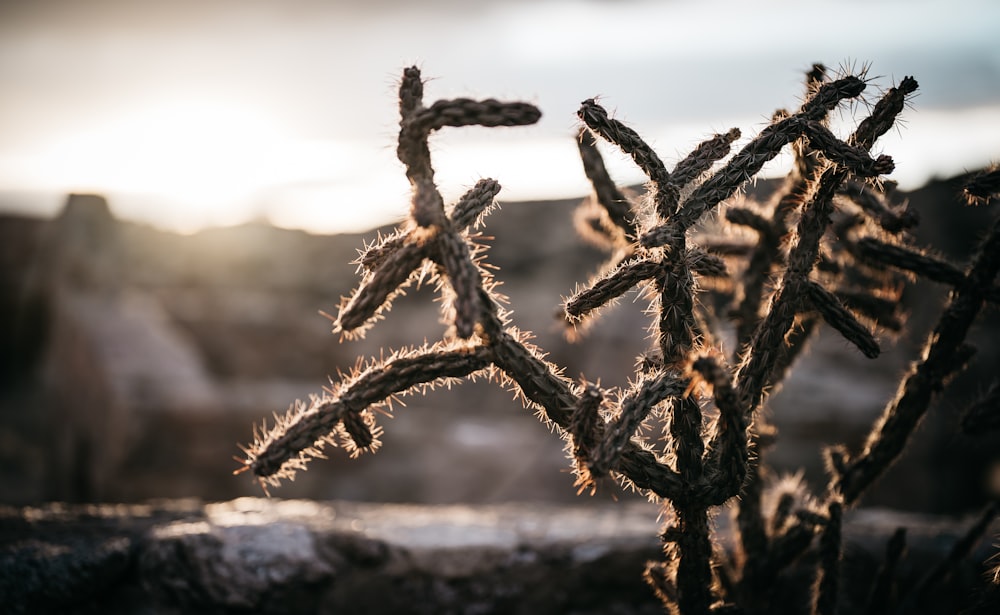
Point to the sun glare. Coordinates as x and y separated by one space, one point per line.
188 165
203 158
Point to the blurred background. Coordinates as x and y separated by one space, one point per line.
228 158
189 114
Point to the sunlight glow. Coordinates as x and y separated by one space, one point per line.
294 121
185 167
204 160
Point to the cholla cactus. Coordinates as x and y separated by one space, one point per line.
828 248
653 248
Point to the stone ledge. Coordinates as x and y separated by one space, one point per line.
295 556
274 556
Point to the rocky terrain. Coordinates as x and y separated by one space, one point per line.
293 556
134 361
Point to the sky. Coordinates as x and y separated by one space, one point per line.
195 113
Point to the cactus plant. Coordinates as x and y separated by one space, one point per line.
830 248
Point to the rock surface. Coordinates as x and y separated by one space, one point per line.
294 556
255 555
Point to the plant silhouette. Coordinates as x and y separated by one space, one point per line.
830 248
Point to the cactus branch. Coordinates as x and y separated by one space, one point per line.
902 414
825 248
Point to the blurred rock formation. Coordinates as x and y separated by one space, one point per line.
134 361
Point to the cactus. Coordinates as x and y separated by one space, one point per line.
830 248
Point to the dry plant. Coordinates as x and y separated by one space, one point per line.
829 247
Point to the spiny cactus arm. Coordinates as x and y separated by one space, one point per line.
665 193
764 348
757 274
418 121
879 601
634 408
411 92
760 357
608 195
377 289
806 161
904 412
983 186
596 118
883 115
726 457
476 203
827 95
538 380
686 171
694 579
774 554
873 202
677 329
416 124
436 235
739 169
933 268
841 319
815 76
469 209
875 251
782 513
644 471
792 198
854 159
659 576
722 246
399 261
759 360
412 149
742 216
795 284
702 158
883 310
374 254
672 277
691 534
468 112
796 341
638 466
687 441
609 287
426 204
748 161
706 264
583 430
768 144
827 579
864 285
677 333
752 537
281 450
454 256
790 531
768 254
762 559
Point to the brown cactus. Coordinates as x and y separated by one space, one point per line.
827 249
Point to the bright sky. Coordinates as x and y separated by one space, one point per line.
191 113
